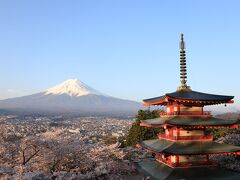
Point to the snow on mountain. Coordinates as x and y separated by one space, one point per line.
72 87
71 97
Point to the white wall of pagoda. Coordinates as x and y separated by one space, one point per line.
191 132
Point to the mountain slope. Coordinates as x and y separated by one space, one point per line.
71 97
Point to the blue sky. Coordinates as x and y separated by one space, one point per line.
128 48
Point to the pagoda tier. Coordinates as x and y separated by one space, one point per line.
182 150
159 171
190 122
188 147
189 98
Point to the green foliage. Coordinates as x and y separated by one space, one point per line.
137 133
217 133
146 114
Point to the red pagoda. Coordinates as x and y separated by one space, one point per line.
182 150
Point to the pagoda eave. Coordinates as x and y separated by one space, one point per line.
190 122
234 126
159 171
165 101
187 154
188 148
189 97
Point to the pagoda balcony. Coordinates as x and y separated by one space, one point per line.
186 113
187 164
186 138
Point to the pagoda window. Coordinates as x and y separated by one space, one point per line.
175 133
175 109
167 132
168 109
174 159
163 157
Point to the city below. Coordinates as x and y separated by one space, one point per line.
64 146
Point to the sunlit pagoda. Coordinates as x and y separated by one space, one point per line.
182 151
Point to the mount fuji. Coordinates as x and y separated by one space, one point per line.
71 97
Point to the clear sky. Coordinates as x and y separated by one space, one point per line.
125 48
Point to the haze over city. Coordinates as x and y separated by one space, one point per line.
128 49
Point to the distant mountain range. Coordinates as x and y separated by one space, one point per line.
71 97
232 115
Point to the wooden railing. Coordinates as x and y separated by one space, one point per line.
186 138
186 113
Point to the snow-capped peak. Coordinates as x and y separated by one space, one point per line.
72 87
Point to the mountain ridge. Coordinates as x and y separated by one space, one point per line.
71 97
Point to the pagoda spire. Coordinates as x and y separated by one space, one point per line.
183 67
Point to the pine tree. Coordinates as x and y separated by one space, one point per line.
137 133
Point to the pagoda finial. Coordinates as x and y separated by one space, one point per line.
183 68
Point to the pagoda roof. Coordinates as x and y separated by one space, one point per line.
188 121
159 171
189 96
188 148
